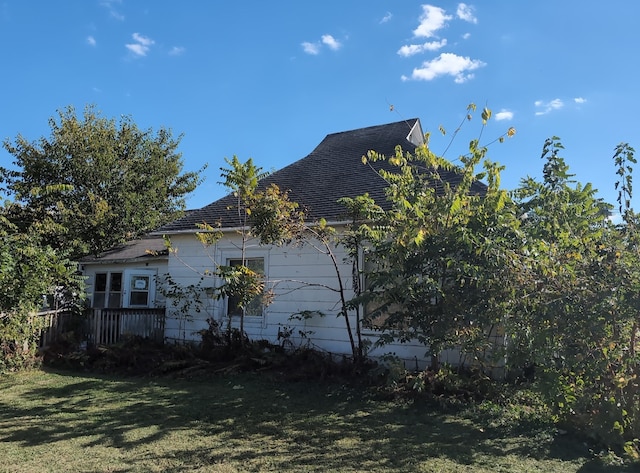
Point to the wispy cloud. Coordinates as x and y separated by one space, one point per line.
177 51
331 42
141 45
387 17
465 12
110 5
311 48
504 114
580 100
450 64
545 107
413 49
315 47
91 41
431 20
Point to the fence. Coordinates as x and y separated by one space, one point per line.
56 323
102 326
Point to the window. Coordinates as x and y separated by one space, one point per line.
107 291
139 290
129 288
254 309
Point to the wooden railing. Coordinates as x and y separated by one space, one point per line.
103 326
109 326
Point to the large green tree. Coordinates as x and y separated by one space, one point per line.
576 317
95 182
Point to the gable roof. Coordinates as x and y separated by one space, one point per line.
331 171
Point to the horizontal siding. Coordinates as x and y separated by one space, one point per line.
297 276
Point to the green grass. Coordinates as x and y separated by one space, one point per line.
67 422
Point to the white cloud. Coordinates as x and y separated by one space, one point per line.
326 40
143 39
466 36
465 12
546 107
311 48
331 42
141 45
580 100
504 114
412 49
387 17
176 51
431 20
110 6
447 64
91 41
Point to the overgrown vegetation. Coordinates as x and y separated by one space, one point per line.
89 186
31 272
539 280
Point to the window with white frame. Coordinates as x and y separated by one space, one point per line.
124 289
107 290
255 307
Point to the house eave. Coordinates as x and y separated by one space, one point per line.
334 223
142 259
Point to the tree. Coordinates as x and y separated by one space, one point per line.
441 254
576 317
95 183
263 214
266 216
29 271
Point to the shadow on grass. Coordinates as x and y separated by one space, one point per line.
253 420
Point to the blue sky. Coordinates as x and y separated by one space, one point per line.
269 80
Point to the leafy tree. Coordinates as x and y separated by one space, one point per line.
441 254
266 215
29 271
95 183
576 317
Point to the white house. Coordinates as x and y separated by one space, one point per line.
301 277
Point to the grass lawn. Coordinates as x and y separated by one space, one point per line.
67 422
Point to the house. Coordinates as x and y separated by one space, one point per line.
301 278
121 289
124 283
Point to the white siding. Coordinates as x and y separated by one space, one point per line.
301 278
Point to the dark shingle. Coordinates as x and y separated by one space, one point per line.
332 170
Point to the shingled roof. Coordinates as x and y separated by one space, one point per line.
332 170
145 249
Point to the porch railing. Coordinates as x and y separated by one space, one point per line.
109 326
103 326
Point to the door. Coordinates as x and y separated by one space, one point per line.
139 288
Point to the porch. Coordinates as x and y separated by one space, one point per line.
103 326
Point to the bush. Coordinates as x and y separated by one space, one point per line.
19 337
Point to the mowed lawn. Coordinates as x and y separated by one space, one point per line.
67 422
